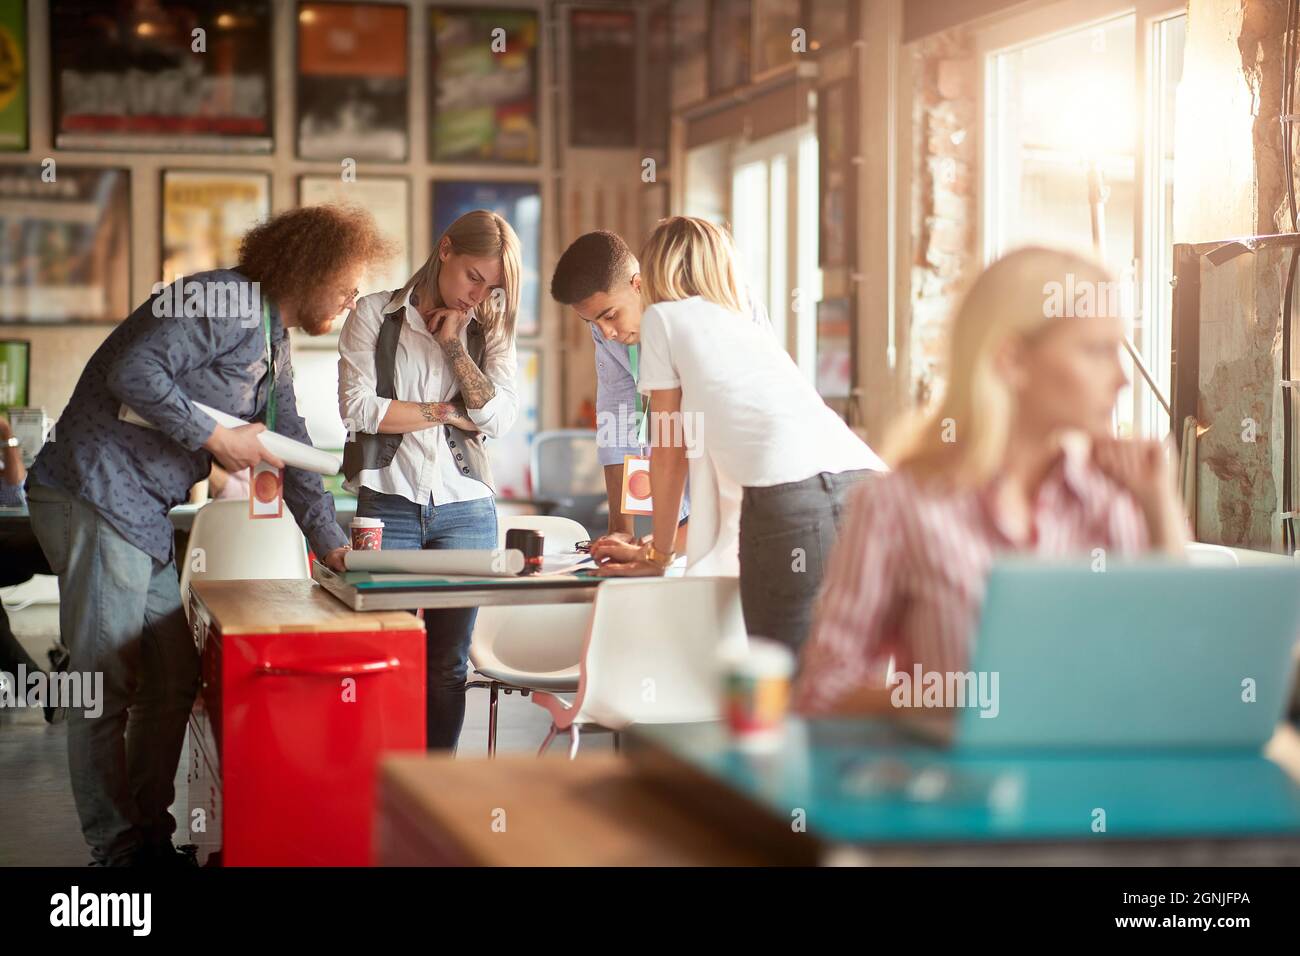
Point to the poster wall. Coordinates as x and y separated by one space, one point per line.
205 214
161 75
483 86
65 243
13 75
352 81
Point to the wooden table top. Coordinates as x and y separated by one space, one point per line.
593 811
282 607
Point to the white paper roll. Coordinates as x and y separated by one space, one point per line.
293 453
501 563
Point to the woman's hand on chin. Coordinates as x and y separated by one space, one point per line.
445 325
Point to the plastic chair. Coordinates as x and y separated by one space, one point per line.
533 646
1211 555
233 547
566 471
651 656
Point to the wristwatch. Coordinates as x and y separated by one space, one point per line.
657 557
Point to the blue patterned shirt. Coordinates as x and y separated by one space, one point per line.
158 361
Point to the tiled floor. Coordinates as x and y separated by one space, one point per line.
38 819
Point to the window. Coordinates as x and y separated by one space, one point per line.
1079 154
774 220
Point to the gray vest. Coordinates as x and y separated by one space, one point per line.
365 451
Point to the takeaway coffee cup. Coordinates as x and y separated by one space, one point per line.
756 690
367 534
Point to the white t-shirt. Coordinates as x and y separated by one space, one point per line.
744 401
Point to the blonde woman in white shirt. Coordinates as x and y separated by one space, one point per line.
728 401
426 373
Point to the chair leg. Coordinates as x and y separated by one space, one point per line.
492 719
574 739
547 742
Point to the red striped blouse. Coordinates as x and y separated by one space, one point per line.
907 576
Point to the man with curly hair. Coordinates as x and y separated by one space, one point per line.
100 492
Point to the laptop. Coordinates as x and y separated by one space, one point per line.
1146 655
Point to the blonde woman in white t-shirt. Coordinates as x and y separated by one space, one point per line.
729 403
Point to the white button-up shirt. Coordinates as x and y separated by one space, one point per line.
424 467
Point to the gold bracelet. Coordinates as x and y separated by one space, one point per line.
657 557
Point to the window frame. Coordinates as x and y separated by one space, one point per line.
1044 22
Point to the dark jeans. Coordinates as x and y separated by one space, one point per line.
120 616
460 524
20 557
786 536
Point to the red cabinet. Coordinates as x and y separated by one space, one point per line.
301 696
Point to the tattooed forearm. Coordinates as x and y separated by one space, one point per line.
447 413
475 387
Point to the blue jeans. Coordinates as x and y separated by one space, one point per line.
120 614
459 524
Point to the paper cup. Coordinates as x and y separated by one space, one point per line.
367 534
756 692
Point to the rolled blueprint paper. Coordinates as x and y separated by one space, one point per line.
293 453
502 563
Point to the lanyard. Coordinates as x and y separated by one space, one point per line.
634 362
270 368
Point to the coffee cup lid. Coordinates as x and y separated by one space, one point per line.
367 523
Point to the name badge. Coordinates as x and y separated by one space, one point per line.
266 492
636 486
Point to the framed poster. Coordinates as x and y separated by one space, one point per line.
65 243
15 373
353 69
730 27
774 24
388 198
602 78
836 132
161 75
834 348
205 214
510 454
483 86
520 204
13 75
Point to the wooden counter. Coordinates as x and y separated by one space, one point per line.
525 811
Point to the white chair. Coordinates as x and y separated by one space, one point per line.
533 646
1211 555
227 545
651 656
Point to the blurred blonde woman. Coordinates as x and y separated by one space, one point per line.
725 397
1017 457
425 374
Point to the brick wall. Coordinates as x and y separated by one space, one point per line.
944 212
